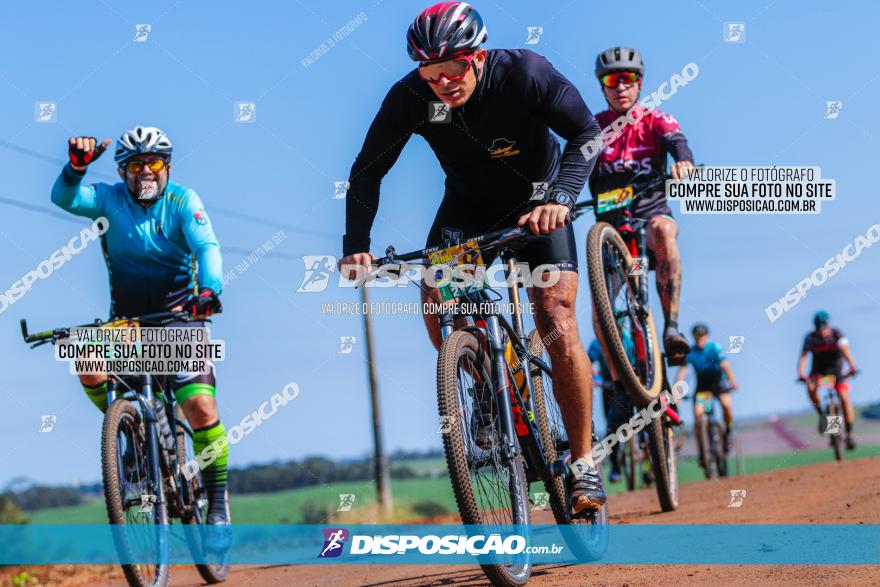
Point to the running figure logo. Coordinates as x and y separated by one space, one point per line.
45 112
147 502
446 423
539 190
47 423
245 112
737 497
832 425
734 32
735 345
439 112
318 270
346 345
340 189
141 32
346 501
334 540
832 109
534 34
639 266
541 501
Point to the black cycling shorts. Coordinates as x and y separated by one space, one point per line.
559 248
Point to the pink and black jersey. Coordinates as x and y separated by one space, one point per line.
639 155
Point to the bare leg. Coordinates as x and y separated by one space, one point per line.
727 407
662 232
556 320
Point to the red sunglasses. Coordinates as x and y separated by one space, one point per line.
452 69
628 78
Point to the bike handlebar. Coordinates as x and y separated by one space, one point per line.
489 240
638 192
157 319
841 378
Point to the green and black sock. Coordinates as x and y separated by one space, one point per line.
214 474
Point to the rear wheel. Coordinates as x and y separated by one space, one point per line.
630 463
131 499
664 462
215 569
626 326
589 540
490 490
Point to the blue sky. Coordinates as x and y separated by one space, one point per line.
757 103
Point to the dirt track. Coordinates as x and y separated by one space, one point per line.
844 493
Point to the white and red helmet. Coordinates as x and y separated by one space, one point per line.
444 30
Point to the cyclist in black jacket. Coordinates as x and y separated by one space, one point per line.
488 117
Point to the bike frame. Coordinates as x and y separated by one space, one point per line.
141 395
634 233
519 432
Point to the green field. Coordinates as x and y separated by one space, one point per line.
285 507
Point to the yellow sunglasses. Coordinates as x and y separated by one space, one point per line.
135 167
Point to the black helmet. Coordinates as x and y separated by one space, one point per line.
619 59
445 29
700 329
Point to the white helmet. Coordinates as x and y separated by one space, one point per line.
142 139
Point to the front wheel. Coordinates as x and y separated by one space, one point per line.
704 447
664 462
589 539
718 448
131 497
490 489
624 319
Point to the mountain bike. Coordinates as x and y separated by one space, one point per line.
145 443
710 432
502 427
617 259
832 411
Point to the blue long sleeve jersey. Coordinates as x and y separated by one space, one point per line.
156 257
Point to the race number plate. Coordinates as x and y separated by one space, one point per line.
614 199
463 276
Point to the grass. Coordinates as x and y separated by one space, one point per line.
285 507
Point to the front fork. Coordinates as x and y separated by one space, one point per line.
151 430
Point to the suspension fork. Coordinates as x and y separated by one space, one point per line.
151 433
503 390
513 295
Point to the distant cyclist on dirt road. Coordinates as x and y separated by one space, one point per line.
639 155
497 150
713 375
829 348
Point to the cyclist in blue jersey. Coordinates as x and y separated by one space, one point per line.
713 374
158 234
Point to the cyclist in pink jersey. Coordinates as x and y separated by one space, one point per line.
637 156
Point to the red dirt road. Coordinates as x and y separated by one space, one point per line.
847 492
